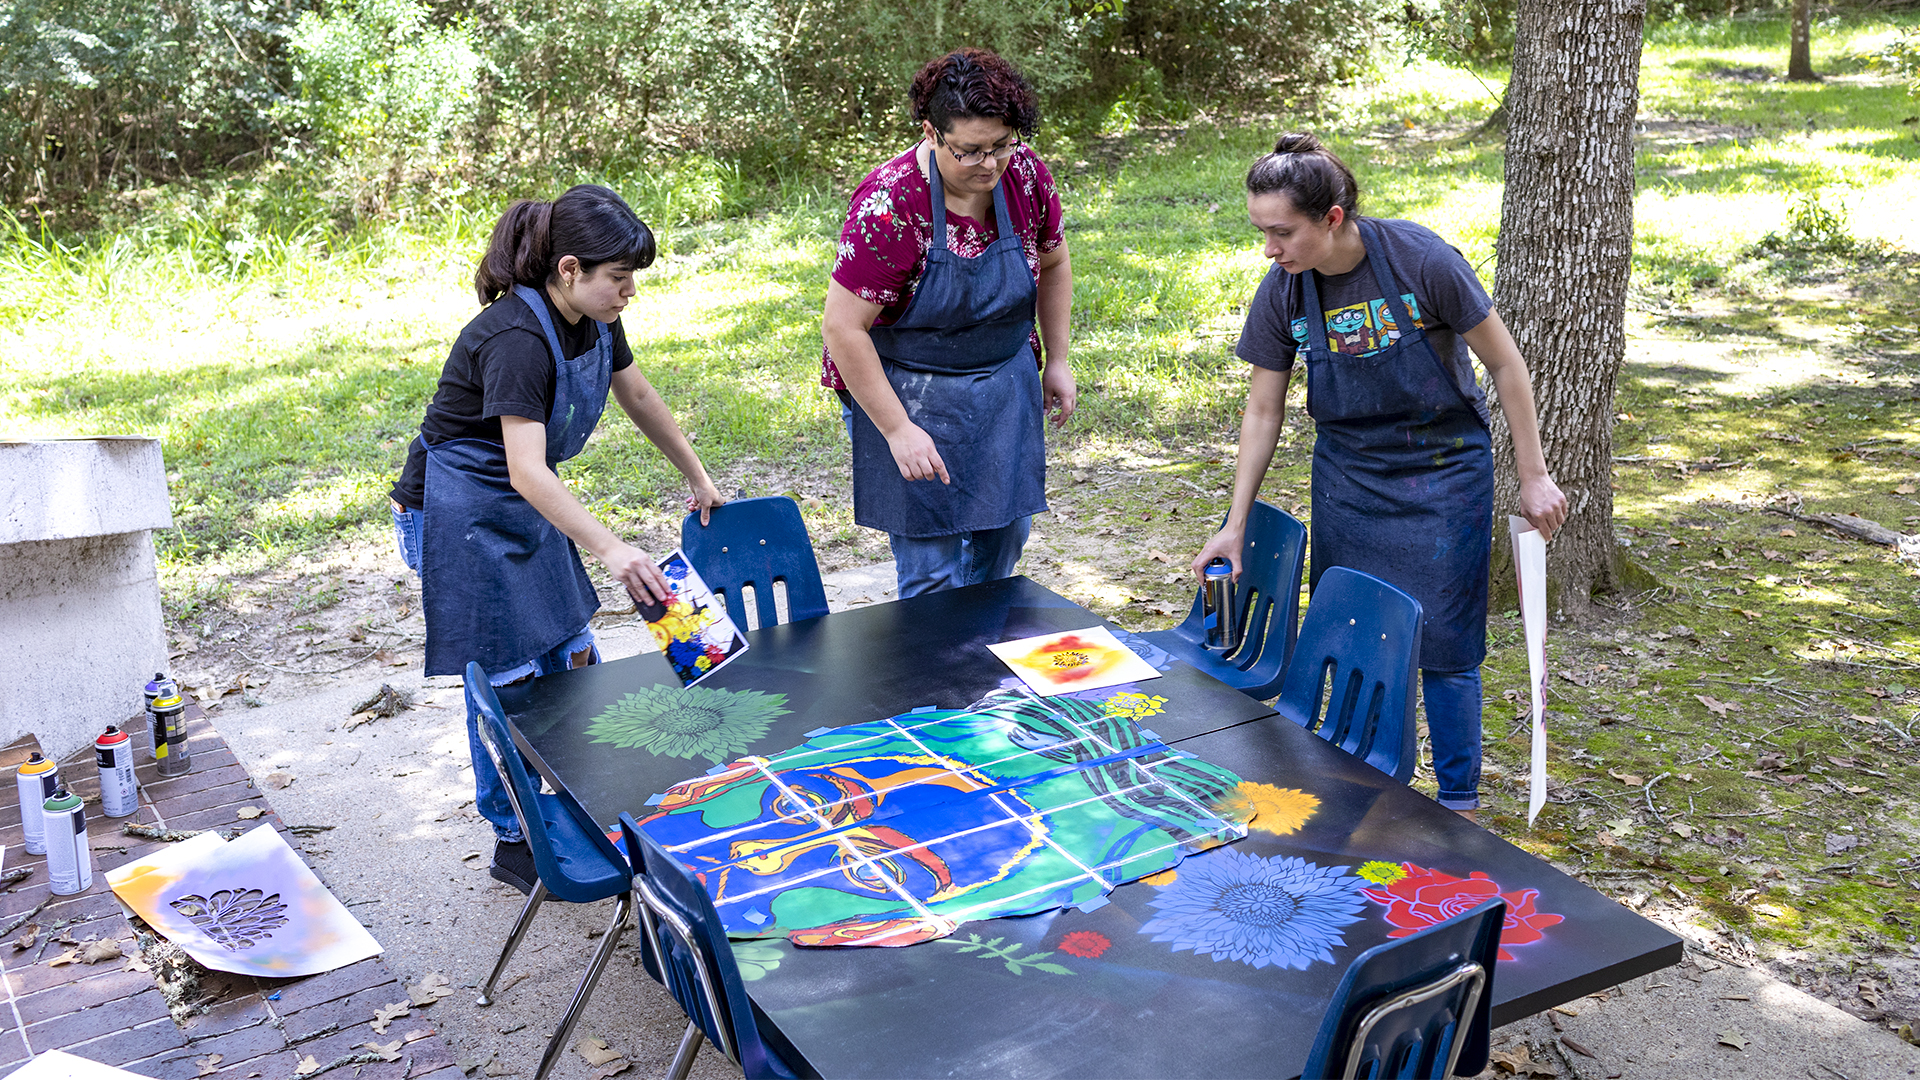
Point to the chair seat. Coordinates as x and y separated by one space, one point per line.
1266 608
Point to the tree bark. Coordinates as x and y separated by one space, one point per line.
1800 54
1565 250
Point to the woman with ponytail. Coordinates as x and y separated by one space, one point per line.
1382 312
951 254
480 511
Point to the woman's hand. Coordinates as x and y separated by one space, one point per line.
704 498
1057 392
1543 505
1226 544
634 568
915 454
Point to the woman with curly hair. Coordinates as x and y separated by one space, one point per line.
950 255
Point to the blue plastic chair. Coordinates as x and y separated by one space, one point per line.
688 951
1354 671
575 860
1419 1008
753 544
1266 603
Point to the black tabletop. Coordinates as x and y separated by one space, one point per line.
616 733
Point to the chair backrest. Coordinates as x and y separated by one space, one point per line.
752 544
1416 1008
690 951
1355 670
1266 599
572 855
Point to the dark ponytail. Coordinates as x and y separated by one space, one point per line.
1307 173
588 222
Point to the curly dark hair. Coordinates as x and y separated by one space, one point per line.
973 84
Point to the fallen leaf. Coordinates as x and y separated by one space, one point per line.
1841 843
1877 691
468 1064
387 1014
208 1065
1605 839
248 813
416 1034
1772 761
71 956
25 940
1159 556
611 1068
1626 778
1683 830
96 951
1734 1037
495 1067
1858 790
595 1051
1717 708
1788 532
388 1052
1568 1042
307 1065
1903 489
279 781
429 989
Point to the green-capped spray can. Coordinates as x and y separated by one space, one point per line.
69 859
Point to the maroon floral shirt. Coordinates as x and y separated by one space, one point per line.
883 245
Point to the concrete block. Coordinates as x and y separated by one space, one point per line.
80 622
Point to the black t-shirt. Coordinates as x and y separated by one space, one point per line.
500 365
1443 294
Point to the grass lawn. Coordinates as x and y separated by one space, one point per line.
1733 751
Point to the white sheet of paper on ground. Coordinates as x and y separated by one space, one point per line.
1073 660
249 906
1530 564
60 1065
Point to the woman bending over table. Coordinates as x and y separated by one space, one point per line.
950 254
1383 312
480 511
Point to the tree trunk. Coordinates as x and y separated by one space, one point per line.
1800 56
1565 249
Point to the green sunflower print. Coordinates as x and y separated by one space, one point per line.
691 721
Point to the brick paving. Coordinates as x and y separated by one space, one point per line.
260 1028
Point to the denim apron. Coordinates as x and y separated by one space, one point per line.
499 584
961 360
1402 474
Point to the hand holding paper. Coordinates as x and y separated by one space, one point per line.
1530 564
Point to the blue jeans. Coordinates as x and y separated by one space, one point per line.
1453 727
406 537
931 563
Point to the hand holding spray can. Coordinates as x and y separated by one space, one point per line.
1223 629
119 791
37 780
69 858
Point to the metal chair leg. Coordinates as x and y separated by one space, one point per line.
527 911
683 1057
604 953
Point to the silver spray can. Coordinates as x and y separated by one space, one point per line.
69 859
1223 630
160 687
170 736
119 791
37 780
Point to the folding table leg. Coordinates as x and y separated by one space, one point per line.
527 911
587 982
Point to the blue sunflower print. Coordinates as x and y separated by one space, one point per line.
1280 911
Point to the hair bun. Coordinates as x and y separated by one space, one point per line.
1297 142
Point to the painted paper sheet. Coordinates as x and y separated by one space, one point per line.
1530 563
248 906
1075 660
900 830
60 1065
693 628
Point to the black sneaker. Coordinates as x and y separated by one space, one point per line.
513 864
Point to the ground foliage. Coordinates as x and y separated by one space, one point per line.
1733 749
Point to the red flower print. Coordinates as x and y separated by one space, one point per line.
1085 944
1425 897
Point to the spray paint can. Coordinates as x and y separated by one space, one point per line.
37 780
69 859
160 687
119 792
1223 629
170 736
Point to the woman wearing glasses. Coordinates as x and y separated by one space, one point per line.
950 255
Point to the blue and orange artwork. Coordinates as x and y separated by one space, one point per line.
900 830
693 629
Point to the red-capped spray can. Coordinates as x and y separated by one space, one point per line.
69 859
37 780
119 791
170 736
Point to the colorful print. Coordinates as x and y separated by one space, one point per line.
1085 944
1076 660
1271 809
1135 706
901 830
1381 873
1421 897
688 721
755 960
1278 911
1361 329
1009 954
693 629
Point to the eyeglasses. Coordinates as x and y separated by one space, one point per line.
976 157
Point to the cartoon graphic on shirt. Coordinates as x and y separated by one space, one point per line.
1361 329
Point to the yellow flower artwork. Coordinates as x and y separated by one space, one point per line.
1270 809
